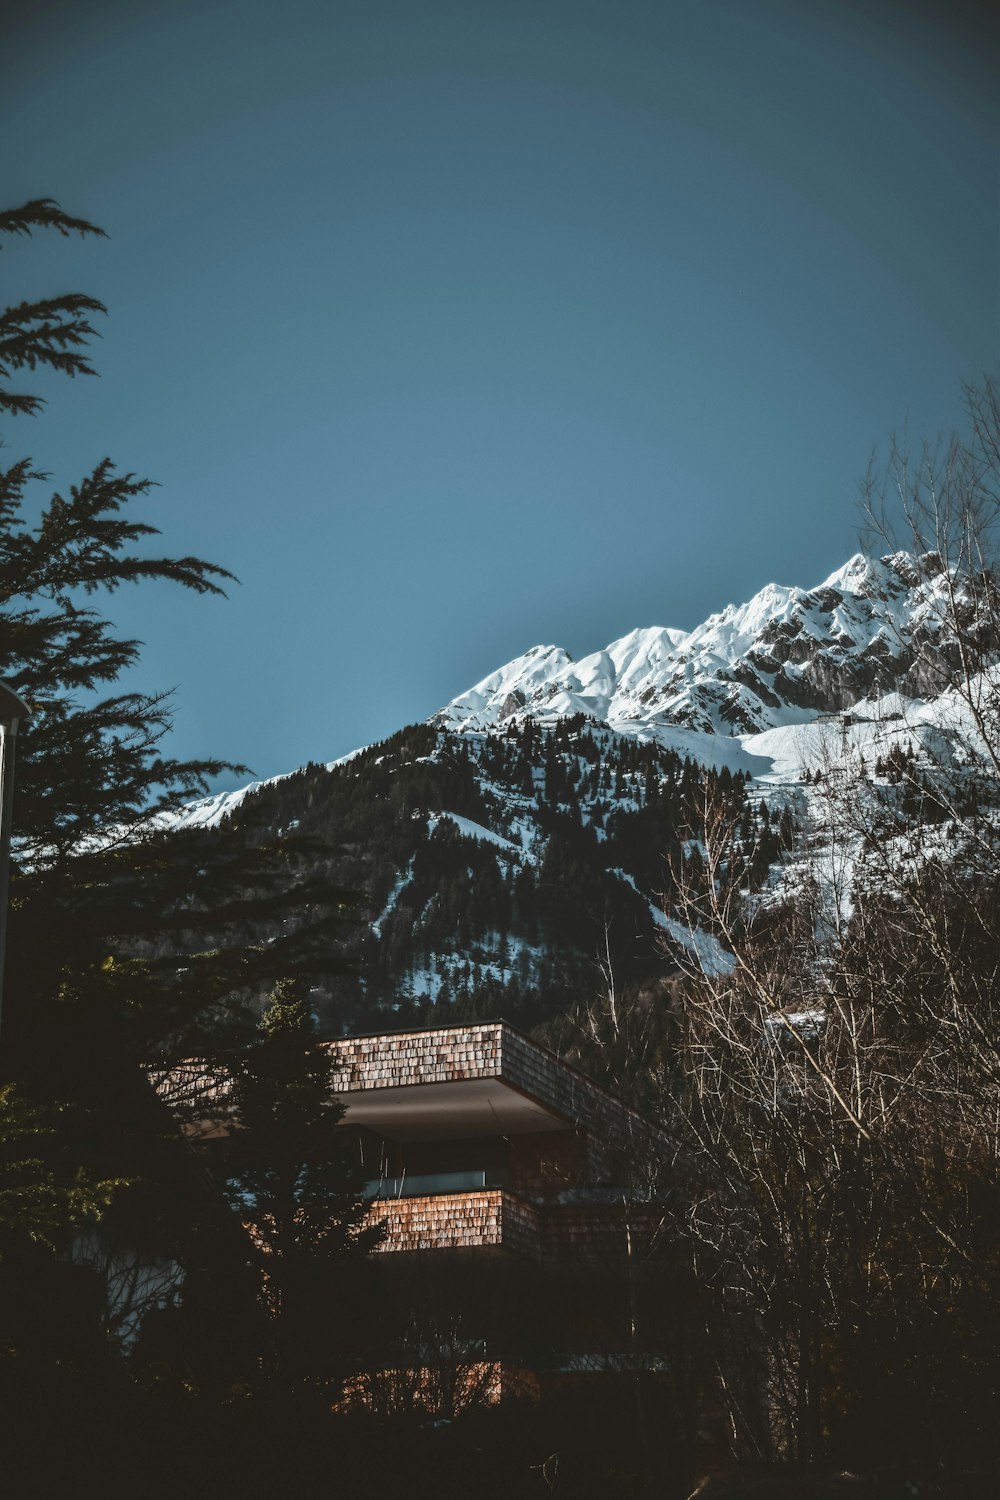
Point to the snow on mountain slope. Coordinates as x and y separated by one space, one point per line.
754 688
208 812
471 830
786 656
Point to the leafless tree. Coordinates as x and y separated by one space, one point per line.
941 501
840 1084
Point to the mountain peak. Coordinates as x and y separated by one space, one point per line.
787 654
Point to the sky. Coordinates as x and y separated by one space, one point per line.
457 328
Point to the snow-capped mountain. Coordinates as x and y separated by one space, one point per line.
783 657
533 820
787 657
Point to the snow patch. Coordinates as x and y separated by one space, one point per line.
713 959
470 830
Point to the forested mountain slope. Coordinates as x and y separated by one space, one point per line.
498 868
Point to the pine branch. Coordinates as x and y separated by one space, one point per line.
45 213
50 332
78 542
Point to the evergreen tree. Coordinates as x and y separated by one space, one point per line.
103 905
294 1182
124 942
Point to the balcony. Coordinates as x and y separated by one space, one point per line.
459 1220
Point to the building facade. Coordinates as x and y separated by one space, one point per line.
526 1232
525 1226
476 1137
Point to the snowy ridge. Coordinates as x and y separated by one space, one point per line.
786 656
755 688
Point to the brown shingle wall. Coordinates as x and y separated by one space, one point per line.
521 1227
559 1233
489 1050
448 1221
611 1127
595 1234
455 1221
446 1056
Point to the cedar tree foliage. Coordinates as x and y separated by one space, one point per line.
126 941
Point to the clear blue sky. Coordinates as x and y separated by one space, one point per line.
456 328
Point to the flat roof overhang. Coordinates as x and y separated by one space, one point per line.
459 1109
